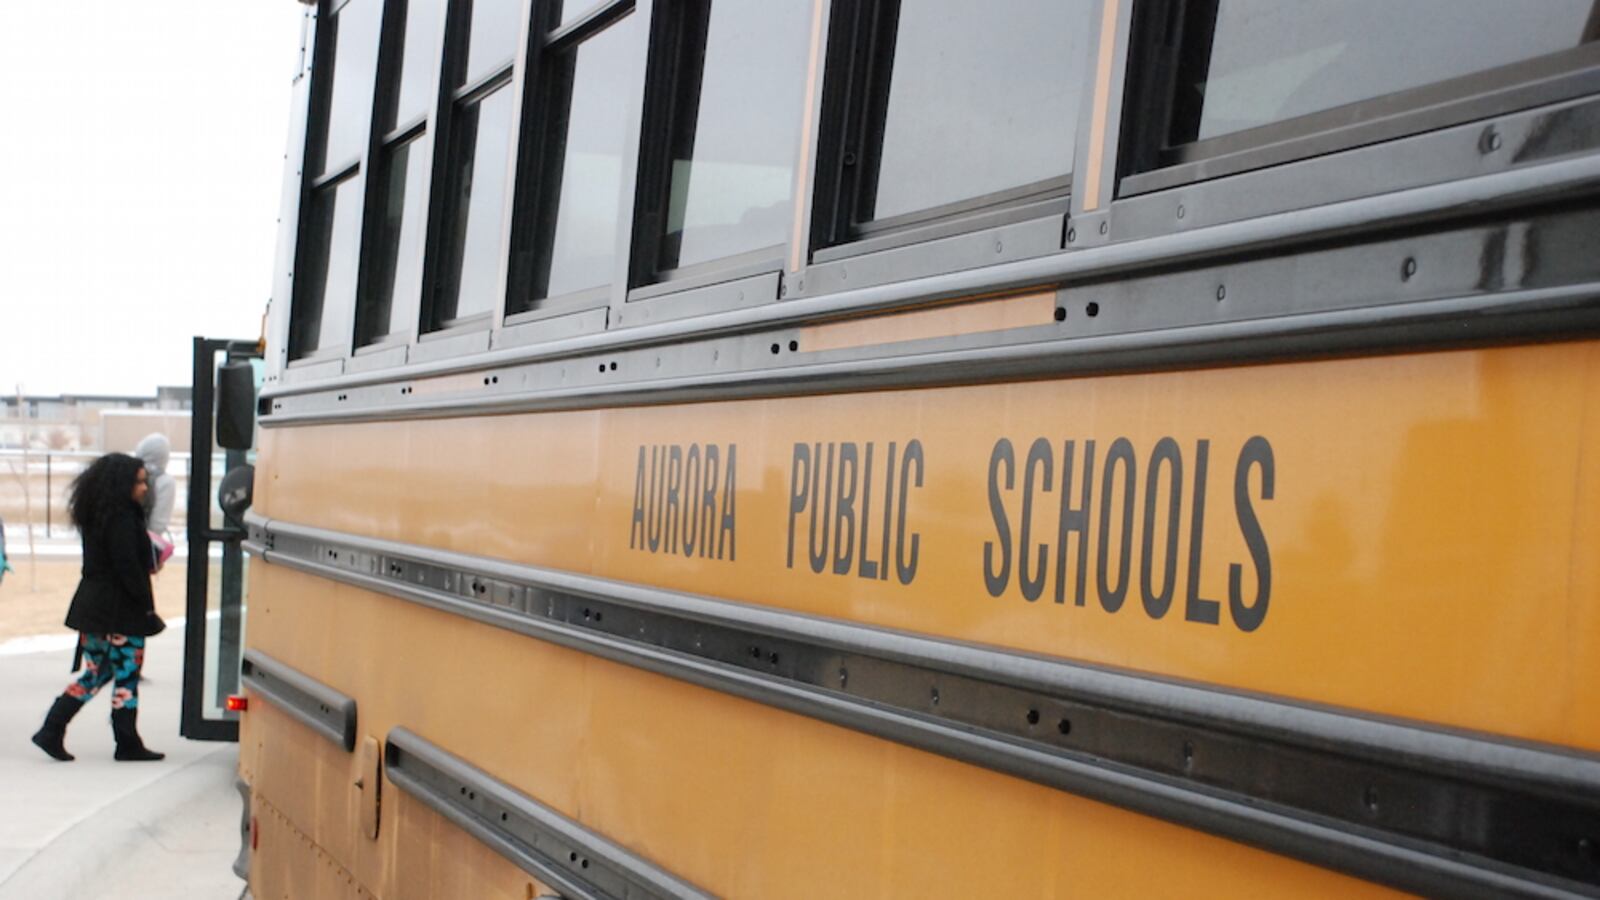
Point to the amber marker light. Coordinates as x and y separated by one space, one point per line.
238 703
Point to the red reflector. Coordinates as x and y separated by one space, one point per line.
238 703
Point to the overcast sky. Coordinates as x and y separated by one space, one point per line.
141 163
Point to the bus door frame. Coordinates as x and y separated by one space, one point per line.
193 723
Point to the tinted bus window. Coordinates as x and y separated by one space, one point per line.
349 61
491 37
1270 61
479 148
575 232
322 312
983 97
414 88
735 143
390 304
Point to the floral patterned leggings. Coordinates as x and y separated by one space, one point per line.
108 657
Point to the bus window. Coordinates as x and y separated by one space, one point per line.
492 36
982 98
1254 73
414 88
321 320
729 180
575 165
391 281
947 113
347 44
479 139
347 53
389 305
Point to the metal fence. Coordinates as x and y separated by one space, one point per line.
34 486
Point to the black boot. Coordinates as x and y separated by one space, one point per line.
125 727
54 731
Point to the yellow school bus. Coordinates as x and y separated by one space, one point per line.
906 448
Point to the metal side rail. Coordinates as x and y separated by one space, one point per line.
553 848
1419 807
317 706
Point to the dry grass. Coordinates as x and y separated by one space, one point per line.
25 610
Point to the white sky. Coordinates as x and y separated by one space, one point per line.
141 163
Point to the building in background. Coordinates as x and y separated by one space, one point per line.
94 422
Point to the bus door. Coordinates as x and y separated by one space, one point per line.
227 375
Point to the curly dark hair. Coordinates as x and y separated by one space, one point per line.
103 488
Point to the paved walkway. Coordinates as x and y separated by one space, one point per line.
99 828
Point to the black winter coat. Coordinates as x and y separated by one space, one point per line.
114 596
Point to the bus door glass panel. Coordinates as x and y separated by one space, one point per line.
982 98
737 131
217 565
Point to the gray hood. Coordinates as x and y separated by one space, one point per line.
156 451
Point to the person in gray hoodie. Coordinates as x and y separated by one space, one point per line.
156 451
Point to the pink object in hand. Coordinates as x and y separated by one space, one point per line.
163 549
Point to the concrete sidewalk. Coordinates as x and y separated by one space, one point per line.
99 828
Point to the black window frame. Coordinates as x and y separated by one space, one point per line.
441 206
673 77
414 132
536 166
1165 52
855 98
315 186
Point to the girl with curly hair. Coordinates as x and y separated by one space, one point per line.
114 608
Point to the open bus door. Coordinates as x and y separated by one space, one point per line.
227 375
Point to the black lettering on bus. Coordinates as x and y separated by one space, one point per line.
1256 453
708 500
824 493
999 548
1197 608
658 485
844 541
636 530
888 504
729 490
1166 452
1119 456
691 494
1039 455
905 562
799 487
669 540
1074 519
868 568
